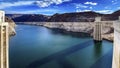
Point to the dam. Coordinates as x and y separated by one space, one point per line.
4 42
116 47
4 46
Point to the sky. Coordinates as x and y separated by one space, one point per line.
50 7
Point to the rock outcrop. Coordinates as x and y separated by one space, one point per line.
11 26
75 17
85 27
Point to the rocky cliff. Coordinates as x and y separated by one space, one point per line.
84 27
11 26
74 17
83 17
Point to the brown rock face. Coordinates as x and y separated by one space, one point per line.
11 26
75 17
83 17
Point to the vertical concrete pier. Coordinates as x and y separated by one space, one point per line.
98 30
116 46
4 48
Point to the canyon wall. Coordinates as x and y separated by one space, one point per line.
85 27
11 26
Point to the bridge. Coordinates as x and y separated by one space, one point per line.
97 35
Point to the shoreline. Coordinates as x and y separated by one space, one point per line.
72 33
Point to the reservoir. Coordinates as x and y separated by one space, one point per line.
40 47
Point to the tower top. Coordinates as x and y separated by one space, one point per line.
2 16
1 11
97 19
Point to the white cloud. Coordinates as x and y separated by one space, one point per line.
91 3
11 4
113 1
86 10
91 7
43 3
80 6
105 11
37 11
107 7
118 8
78 10
46 3
100 11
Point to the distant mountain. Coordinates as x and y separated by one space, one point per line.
28 17
75 17
84 17
11 25
117 13
66 17
113 16
13 15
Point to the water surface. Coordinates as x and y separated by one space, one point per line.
40 47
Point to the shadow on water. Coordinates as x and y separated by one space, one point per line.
73 34
97 49
64 63
58 55
104 61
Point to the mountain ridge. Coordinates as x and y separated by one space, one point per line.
65 17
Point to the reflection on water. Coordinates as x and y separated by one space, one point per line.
39 47
97 48
74 34
60 54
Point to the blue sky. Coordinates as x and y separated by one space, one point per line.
50 7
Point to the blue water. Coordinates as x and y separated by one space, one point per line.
40 47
